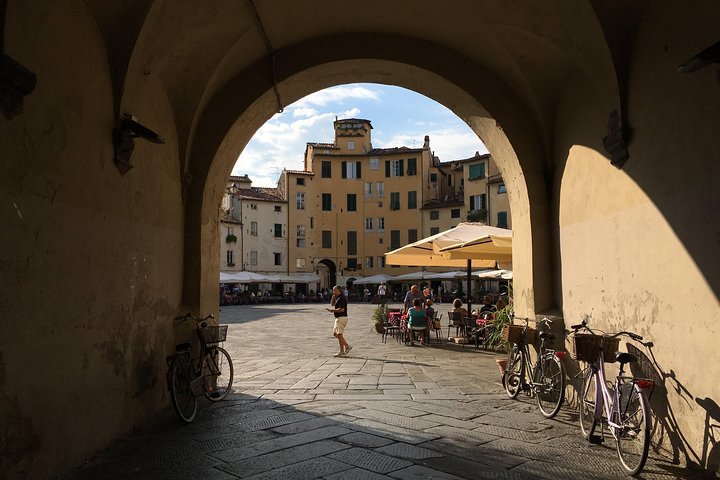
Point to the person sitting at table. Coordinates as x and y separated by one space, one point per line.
417 321
487 305
457 307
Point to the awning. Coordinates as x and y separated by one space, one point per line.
373 279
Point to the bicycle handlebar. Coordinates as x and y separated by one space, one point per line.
190 316
632 335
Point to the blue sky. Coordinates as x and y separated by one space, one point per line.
399 117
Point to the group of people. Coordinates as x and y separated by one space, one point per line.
418 306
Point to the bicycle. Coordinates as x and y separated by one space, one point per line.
210 375
548 373
625 409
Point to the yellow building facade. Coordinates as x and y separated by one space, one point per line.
353 203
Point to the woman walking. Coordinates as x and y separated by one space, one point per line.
339 309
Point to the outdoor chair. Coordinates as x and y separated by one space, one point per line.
457 320
392 327
437 320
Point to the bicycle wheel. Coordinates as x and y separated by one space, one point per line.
586 405
218 372
183 400
633 438
549 384
513 372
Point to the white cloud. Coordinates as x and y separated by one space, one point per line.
304 112
337 95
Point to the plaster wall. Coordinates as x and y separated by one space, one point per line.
90 261
639 245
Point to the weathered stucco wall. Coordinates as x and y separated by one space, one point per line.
90 260
639 245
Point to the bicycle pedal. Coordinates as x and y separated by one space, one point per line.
596 439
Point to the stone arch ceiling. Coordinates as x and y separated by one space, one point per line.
195 49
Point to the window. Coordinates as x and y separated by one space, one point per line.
326 170
278 258
253 206
351 170
368 224
253 229
434 215
381 224
300 242
229 258
433 178
300 263
394 168
253 257
501 188
374 163
412 199
476 171
381 262
229 230
434 230
300 181
477 202
278 208
300 200
455 213
351 243
327 202
300 231
351 145
326 239
369 262
380 189
502 220
395 201
352 263
368 189
394 239
278 230
312 223
412 167
412 235
351 202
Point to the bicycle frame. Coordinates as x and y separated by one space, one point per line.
609 402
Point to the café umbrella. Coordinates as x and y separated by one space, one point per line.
469 245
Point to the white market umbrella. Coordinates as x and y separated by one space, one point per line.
457 247
379 278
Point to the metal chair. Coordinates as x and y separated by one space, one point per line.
458 320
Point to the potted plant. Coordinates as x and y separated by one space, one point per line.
231 238
379 319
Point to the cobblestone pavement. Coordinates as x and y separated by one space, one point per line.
384 411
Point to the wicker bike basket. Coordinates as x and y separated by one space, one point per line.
585 347
518 334
214 333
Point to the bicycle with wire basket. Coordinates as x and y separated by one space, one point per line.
547 384
624 409
210 374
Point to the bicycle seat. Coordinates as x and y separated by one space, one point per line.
183 346
547 335
624 358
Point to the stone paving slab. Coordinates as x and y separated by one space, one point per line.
386 411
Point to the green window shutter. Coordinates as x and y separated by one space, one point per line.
402 167
344 170
412 166
358 170
387 168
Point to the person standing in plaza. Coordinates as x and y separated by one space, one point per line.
381 292
340 310
413 294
